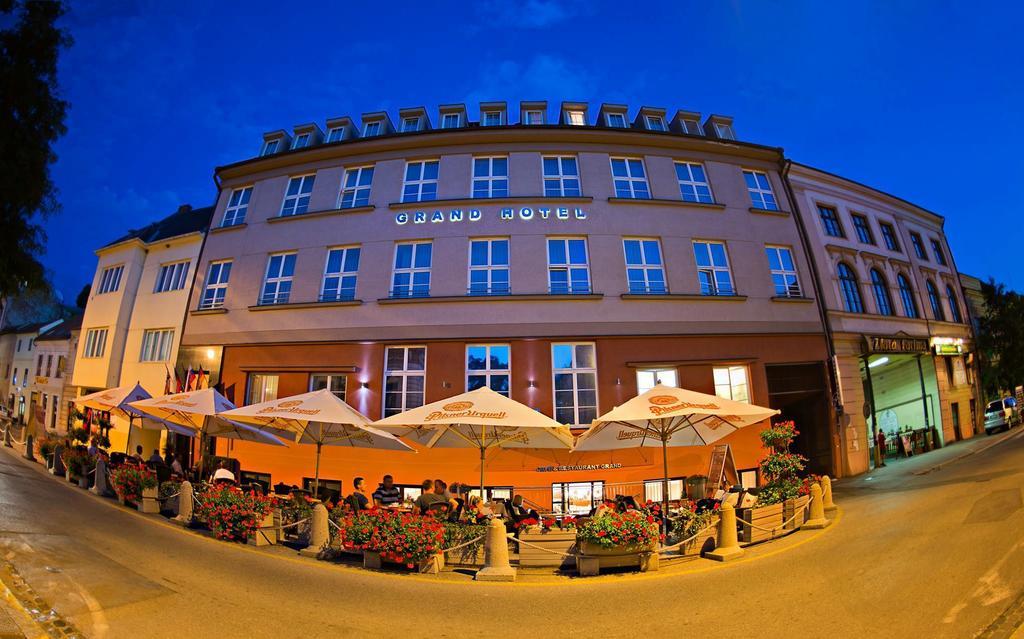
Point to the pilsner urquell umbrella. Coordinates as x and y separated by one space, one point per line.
665 416
320 418
480 419
117 401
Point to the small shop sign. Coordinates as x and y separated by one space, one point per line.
565 469
895 344
525 213
948 345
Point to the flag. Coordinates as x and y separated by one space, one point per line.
188 379
201 379
177 381
167 381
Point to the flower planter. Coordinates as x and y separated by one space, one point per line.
149 502
83 482
703 542
432 565
794 507
560 541
593 557
266 535
765 517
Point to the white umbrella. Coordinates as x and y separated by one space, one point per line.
665 416
117 401
320 418
478 419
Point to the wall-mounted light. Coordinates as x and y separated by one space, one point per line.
532 383
210 353
364 384
446 384
618 381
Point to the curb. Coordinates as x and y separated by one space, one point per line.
1010 436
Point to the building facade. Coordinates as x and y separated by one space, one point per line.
24 400
904 348
55 356
569 262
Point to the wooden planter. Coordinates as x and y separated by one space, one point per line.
83 482
266 535
796 507
765 517
560 541
429 566
592 558
700 543
468 556
149 503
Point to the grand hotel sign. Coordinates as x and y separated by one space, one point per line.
506 214
895 344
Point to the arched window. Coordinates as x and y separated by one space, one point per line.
881 290
907 296
954 305
933 298
851 290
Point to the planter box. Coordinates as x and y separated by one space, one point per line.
149 502
430 566
765 517
796 507
560 541
83 482
593 558
700 544
267 533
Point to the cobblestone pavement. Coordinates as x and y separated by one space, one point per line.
21 601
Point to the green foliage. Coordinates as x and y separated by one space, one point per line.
780 468
100 440
631 528
78 461
689 522
1001 339
80 435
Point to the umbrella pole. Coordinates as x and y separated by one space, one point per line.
316 475
128 442
483 451
664 485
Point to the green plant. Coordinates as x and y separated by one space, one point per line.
169 488
780 468
233 514
297 508
47 443
457 533
79 462
689 522
100 440
630 528
399 537
80 435
129 480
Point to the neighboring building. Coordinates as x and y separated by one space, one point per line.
569 265
903 346
22 395
132 323
55 356
8 340
976 308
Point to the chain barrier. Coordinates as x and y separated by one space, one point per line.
169 496
799 512
689 539
293 524
464 544
541 548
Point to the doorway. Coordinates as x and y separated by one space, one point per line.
799 392
955 410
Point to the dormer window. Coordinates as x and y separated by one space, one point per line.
691 127
534 117
371 129
575 118
301 141
654 122
270 147
337 134
410 124
724 131
616 120
451 121
491 118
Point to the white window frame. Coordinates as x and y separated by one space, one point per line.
664 376
444 120
214 291
172 276
713 270
277 279
267 389
724 131
575 117
575 371
414 120
645 267
94 346
485 115
620 116
157 344
761 197
533 114
692 183
298 203
339 130
110 279
488 181
561 176
377 128
655 123
731 371
301 140
238 206
691 126
420 182
412 270
404 373
329 379
629 180
490 268
338 293
487 372
568 266
794 289
360 192
270 147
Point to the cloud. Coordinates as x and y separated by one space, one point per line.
528 14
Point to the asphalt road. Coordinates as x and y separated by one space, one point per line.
939 554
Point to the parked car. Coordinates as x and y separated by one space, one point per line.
1000 414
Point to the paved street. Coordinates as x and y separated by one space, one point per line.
914 553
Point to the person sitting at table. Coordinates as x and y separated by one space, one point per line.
358 499
222 475
479 513
518 512
427 497
387 494
138 454
176 466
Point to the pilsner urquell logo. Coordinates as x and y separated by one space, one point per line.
661 404
455 407
462 409
290 407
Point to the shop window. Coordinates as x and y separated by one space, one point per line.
277 285
561 176
574 368
713 272
488 365
783 271
630 179
731 383
246 477
850 288
355 190
488 267
262 387
490 177
420 181
238 207
404 378
576 498
568 266
296 197
645 270
336 383
340 274
950 379
889 236
693 183
880 288
830 221
110 280
216 288
648 378
411 275
760 190
326 485
907 297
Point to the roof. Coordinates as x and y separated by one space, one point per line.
31 327
182 222
61 331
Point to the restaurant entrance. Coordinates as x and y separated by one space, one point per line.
799 391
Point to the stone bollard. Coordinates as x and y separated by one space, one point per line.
826 494
319 536
185 504
496 566
7 435
29 445
728 547
816 517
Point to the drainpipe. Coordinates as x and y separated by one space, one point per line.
833 382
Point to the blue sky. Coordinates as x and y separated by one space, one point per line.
920 99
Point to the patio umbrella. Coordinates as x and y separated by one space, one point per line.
480 419
319 418
666 416
117 401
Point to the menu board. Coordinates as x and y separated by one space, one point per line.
722 468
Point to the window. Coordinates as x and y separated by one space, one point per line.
852 301
724 131
783 271
907 296
644 267
301 140
49 364
490 177
95 343
690 126
19 345
561 177
630 179
880 288
534 117
760 190
830 221
488 267
915 239
731 383
156 345
889 236
491 118
655 122
451 121
216 285
340 274
277 285
62 364
488 365
933 299
371 129
355 189
171 277
404 378
39 365
693 183
262 388
336 134
616 120
576 498
574 367
410 124
713 268
653 489
238 206
576 118
110 280
937 251
648 378
954 306
420 181
568 270
411 276
863 229
296 198
270 146
335 383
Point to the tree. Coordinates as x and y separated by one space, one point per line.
1001 339
83 296
31 120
